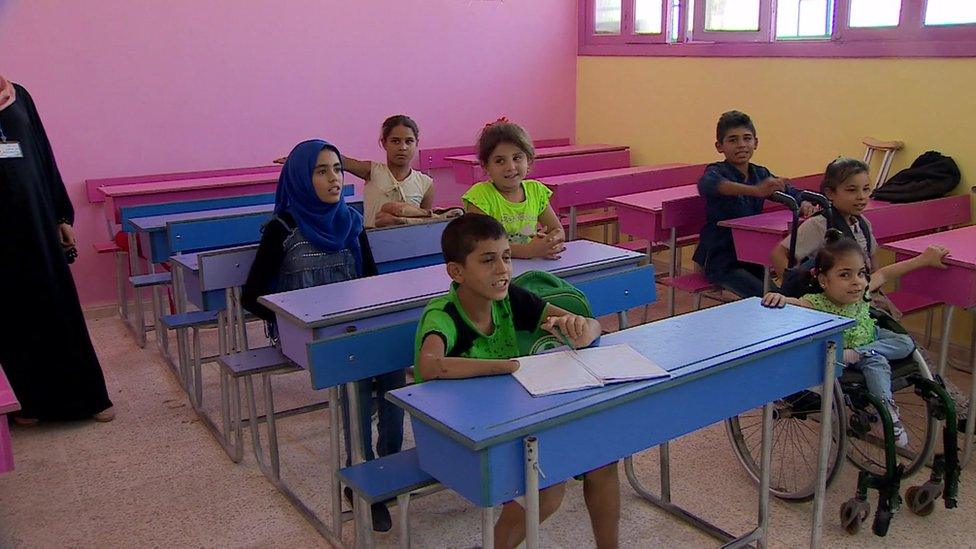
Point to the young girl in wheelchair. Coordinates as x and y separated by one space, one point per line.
841 284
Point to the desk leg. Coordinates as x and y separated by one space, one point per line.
335 454
361 511
531 493
138 324
672 268
967 452
947 311
572 223
488 527
823 458
767 453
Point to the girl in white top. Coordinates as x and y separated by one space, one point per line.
395 194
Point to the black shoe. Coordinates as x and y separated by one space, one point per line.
382 522
381 517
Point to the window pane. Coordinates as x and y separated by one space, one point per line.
647 16
875 13
607 16
732 15
950 12
803 18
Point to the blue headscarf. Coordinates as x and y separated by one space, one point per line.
328 227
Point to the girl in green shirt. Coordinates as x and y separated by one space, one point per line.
842 274
519 204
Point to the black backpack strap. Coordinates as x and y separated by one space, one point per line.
465 335
866 231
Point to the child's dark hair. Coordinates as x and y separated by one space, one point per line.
730 120
399 120
839 171
500 132
464 233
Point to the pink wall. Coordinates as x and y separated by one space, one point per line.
128 88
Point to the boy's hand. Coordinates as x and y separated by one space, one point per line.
774 300
573 326
933 256
769 185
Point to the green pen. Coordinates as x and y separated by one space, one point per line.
565 339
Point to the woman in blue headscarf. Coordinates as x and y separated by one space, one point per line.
315 238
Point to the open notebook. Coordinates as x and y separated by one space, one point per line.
565 371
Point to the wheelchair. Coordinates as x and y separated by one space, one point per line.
924 404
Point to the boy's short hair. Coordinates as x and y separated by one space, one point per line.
500 132
463 234
730 120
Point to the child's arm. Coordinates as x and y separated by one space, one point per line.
434 365
580 330
359 168
427 202
780 258
931 257
774 300
765 188
538 247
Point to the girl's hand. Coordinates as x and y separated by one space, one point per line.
933 256
774 300
573 326
541 246
807 209
67 234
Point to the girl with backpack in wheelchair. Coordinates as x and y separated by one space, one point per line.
841 284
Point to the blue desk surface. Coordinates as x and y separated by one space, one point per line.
688 346
158 222
353 299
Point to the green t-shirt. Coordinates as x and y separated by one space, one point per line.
521 311
865 328
520 219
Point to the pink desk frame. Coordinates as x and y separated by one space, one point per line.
577 191
756 236
8 404
662 216
955 286
549 161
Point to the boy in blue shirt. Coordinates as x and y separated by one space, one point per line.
731 189
471 332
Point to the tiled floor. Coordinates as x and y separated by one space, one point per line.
155 478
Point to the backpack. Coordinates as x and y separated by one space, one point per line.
930 176
556 291
799 280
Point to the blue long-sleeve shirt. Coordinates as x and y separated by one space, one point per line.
716 251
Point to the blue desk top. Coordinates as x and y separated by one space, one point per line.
158 222
469 410
354 299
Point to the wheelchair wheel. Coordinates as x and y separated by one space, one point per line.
796 443
866 450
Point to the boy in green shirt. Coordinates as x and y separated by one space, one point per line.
472 332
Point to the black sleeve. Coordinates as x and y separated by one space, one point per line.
263 276
527 309
64 212
369 264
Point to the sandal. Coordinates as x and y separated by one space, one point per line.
105 415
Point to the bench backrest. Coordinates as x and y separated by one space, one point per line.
148 210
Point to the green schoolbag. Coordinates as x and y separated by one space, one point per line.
554 290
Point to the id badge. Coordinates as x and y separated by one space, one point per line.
10 149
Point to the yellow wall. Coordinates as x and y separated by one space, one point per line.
807 111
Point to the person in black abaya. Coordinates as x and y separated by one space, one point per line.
45 349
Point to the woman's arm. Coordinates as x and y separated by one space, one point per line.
264 270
